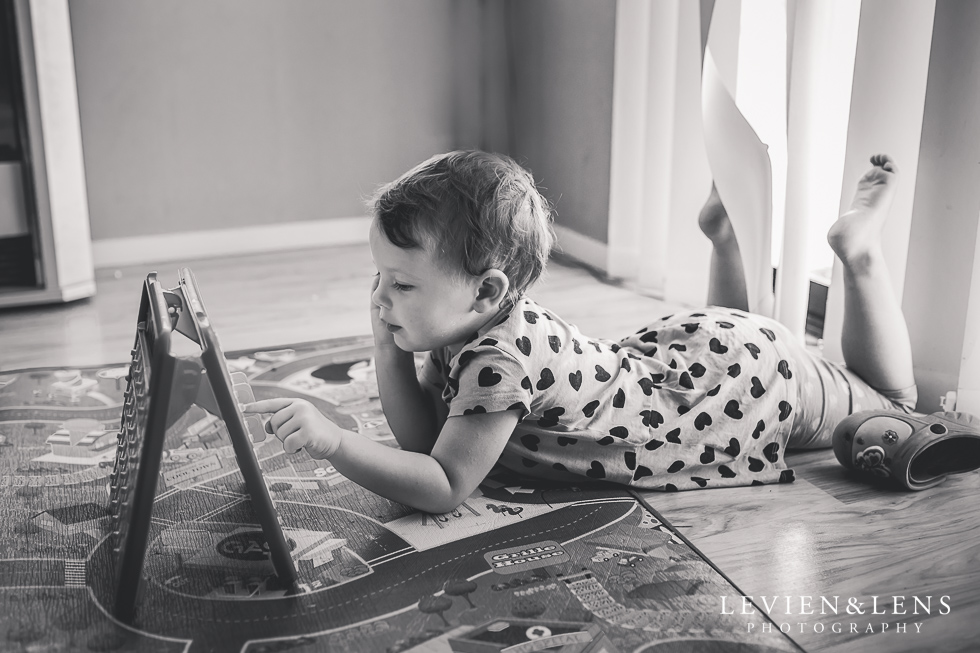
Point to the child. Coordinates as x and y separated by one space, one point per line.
705 398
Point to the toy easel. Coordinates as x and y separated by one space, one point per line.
161 388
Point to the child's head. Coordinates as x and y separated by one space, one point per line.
475 211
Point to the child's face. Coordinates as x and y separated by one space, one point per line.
424 306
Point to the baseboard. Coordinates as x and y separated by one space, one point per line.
582 248
118 252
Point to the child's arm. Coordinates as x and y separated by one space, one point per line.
409 409
466 448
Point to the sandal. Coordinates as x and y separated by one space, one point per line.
918 451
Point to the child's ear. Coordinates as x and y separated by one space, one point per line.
493 287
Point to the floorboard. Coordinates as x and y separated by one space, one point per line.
826 535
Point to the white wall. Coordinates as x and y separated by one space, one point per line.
561 104
214 114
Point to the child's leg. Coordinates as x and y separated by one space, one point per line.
726 278
875 339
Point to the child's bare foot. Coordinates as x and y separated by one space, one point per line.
856 236
714 221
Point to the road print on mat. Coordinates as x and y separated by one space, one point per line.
521 565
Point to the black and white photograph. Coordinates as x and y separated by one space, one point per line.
489 326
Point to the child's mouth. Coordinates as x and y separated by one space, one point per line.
392 328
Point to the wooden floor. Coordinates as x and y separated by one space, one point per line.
825 535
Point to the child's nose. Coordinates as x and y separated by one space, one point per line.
380 298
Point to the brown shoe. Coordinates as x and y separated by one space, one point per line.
917 451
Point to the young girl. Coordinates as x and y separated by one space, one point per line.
704 398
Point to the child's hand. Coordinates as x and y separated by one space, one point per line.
299 425
382 337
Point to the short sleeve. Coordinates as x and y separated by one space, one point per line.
434 368
487 380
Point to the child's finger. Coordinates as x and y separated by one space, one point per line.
287 428
267 405
294 442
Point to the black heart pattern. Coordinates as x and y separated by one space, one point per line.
715 345
685 381
601 374
771 452
708 456
619 399
475 410
550 417
575 379
630 459
653 445
726 325
547 379
733 448
715 390
606 441
675 467
620 432
697 370
531 317
734 370
732 410
753 349
759 428
640 472
783 368
529 463
564 441
596 470
590 407
726 471
555 343
674 436
652 418
700 481
757 389
701 421
649 336
681 409
625 364
691 327
756 465
784 410
488 377
488 342
677 347
526 383
787 476
576 346
524 345
647 386
465 358
559 467
530 441
768 333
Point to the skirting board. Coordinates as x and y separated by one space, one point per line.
582 248
118 252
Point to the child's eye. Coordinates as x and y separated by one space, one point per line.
401 286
